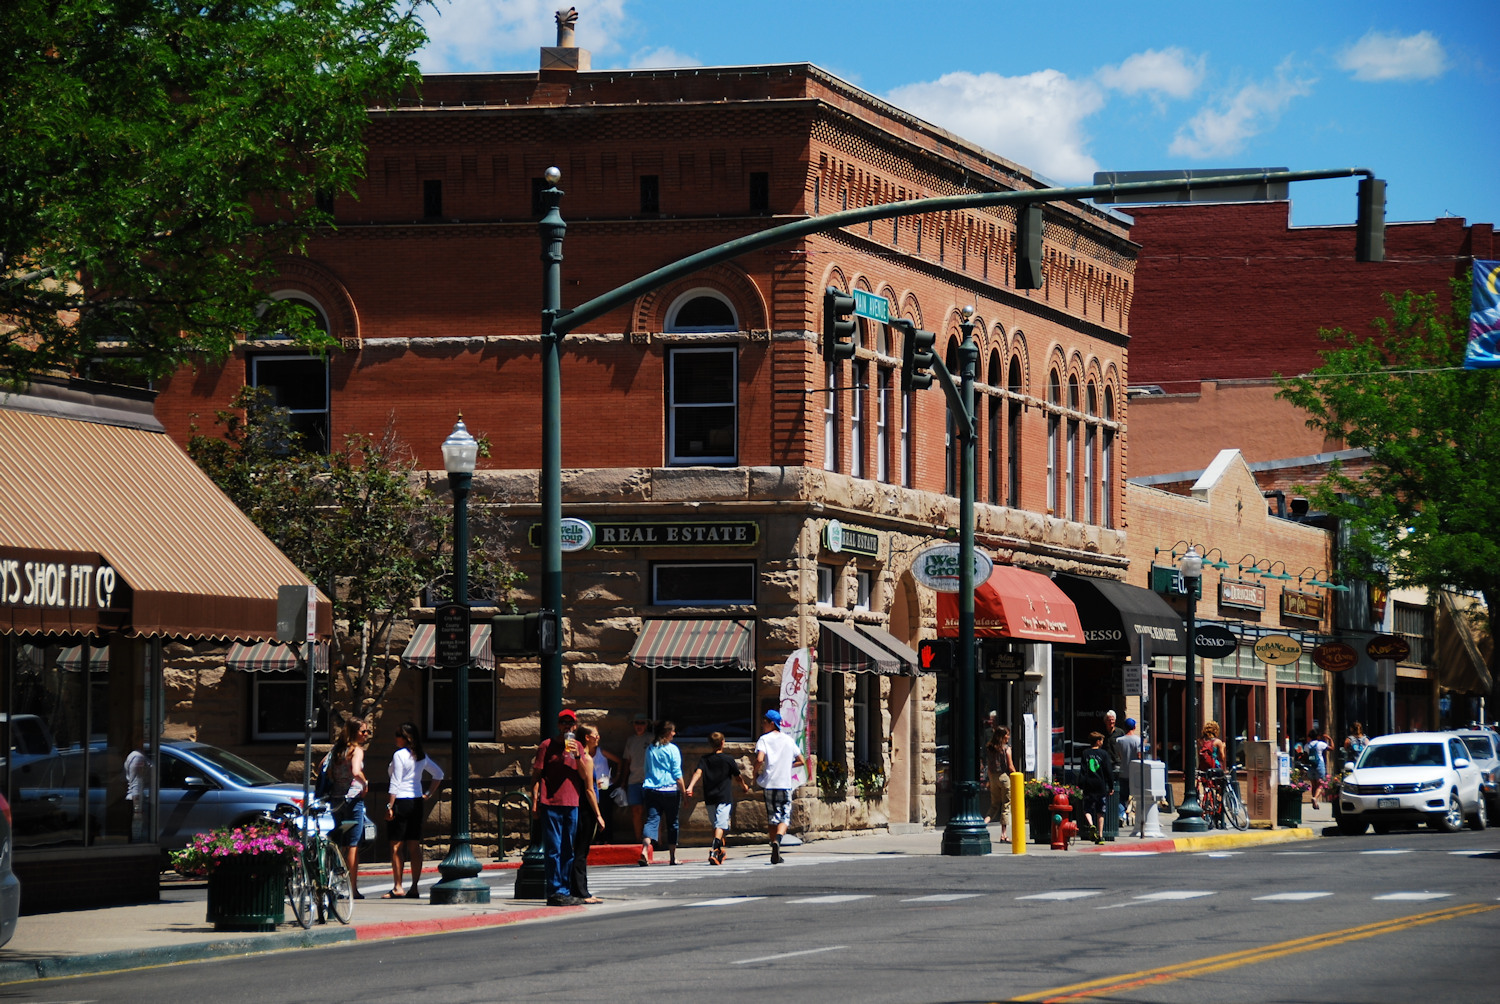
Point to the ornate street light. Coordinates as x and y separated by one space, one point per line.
1189 812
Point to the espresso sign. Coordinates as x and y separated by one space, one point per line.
1334 656
1305 605
1238 593
1388 646
1278 649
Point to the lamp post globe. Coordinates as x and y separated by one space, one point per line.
1189 812
460 870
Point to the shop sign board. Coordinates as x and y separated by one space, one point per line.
1308 606
63 580
576 534
1242 594
1214 642
1168 580
1278 649
668 533
841 539
937 567
1388 646
1334 656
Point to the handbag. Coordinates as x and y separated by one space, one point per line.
618 796
324 786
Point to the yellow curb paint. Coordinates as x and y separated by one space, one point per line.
1224 841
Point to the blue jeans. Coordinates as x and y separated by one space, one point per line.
661 811
559 823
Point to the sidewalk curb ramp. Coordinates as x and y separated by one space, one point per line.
1206 842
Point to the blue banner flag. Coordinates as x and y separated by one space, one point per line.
1484 318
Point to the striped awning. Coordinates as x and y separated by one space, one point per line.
71 658
272 657
695 644
842 649
421 651
897 647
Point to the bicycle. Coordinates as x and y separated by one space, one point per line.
1222 805
318 877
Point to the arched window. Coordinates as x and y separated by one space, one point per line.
297 382
1013 433
1054 444
1090 447
950 436
993 435
702 310
1070 461
1107 462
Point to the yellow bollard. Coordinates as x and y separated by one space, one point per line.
1018 831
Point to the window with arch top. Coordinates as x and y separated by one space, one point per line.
701 310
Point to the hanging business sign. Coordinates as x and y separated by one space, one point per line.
1214 642
841 539
1278 649
1334 656
1242 594
1308 606
937 567
1388 646
576 534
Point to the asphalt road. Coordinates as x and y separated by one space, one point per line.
1401 918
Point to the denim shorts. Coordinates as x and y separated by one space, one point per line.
778 806
633 794
354 809
719 813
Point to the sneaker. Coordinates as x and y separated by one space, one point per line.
775 853
564 901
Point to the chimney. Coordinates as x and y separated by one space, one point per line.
565 56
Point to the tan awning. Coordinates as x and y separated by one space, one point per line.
1463 646
273 657
695 644
190 564
421 651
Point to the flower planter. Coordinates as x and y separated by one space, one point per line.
247 893
1288 807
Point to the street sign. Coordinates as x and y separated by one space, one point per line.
451 636
876 308
1256 191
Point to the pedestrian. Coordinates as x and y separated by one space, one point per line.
633 766
138 789
406 806
776 753
557 788
1129 745
662 793
1000 764
347 786
1112 734
1098 773
718 771
590 816
1355 743
1315 748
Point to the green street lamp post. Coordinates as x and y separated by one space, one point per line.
460 870
1189 812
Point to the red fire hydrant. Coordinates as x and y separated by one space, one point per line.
1063 827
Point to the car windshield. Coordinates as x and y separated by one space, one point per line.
238 770
1479 746
1404 755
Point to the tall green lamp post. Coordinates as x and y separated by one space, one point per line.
1189 812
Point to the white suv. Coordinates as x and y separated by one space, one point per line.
1412 777
1484 750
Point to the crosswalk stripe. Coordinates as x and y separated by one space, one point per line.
727 901
943 897
1291 897
1412 897
828 899
1389 850
1174 894
1059 895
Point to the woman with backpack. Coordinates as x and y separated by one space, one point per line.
344 782
1355 743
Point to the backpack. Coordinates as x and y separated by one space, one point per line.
324 785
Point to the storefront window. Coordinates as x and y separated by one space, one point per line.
440 697
704 700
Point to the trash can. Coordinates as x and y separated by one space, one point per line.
1147 817
1111 828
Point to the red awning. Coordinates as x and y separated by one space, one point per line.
1015 603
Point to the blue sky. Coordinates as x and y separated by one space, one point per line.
1406 89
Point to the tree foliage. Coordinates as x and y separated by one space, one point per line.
158 156
357 522
1427 512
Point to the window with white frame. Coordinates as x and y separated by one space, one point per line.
831 418
1090 436
859 375
441 695
826 576
907 444
1106 463
298 385
883 426
702 405
1053 423
702 310
863 586
703 583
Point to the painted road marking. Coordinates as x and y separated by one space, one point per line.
1128 854
1174 894
1219 854
1390 850
1064 894
1470 854
944 897
789 955
828 899
1290 897
1412 897
1296 853
727 901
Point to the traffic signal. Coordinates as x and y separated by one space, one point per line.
1369 226
935 655
1029 246
524 634
917 356
838 325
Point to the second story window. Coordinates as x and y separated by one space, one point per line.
298 384
432 199
760 193
701 406
650 193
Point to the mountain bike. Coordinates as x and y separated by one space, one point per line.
317 880
1222 805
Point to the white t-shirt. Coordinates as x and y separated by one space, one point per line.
406 774
781 752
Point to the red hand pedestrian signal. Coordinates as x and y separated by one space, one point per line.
935 655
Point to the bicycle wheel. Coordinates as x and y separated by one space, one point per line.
337 885
1213 812
299 891
1234 808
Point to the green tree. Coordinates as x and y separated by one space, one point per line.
156 157
358 522
1427 511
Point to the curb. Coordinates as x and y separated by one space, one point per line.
442 925
1215 842
58 966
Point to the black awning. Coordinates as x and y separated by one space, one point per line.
841 649
1117 615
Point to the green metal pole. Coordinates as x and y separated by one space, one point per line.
460 869
966 834
1189 812
531 877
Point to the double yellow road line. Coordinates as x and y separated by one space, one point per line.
1249 956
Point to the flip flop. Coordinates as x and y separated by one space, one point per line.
393 894
643 862
593 899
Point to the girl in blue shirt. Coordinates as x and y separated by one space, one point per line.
662 793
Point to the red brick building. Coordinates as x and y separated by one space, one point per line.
707 401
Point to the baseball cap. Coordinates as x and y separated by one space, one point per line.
773 716
567 713
640 716
1130 723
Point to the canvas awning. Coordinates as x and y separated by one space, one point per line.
892 644
1463 646
272 657
1116 615
842 649
123 504
1015 603
695 644
71 658
421 651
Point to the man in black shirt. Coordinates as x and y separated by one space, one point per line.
718 772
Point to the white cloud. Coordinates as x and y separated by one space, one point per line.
660 58
1166 71
1223 129
1380 56
480 35
1035 120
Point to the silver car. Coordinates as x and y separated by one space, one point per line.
10 886
203 787
1484 748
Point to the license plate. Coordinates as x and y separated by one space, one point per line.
1388 803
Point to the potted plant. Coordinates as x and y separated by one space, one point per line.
246 871
869 780
1039 795
1289 799
833 780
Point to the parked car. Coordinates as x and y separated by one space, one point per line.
1484 749
10 886
203 787
1409 778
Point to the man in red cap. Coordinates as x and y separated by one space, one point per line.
557 785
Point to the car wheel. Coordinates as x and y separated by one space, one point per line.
1381 829
1481 817
1353 827
1452 820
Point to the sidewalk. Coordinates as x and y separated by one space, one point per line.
81 942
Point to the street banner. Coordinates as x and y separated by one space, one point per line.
1484 317
794 680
